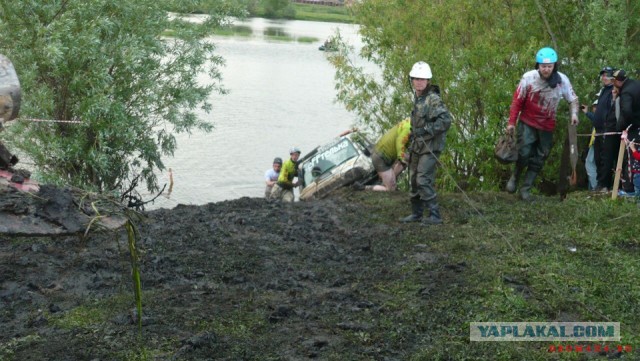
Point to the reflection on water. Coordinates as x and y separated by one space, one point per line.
281 95
242 29
274 31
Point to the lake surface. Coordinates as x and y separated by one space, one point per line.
281 95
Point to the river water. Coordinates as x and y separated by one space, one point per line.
281 95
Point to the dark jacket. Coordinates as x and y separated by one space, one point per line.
611 123
630 104
602 108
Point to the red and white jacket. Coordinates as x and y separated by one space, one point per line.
535 103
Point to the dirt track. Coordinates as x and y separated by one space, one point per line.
242 279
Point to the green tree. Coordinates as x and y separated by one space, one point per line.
251 6
278 9
478 51
106 64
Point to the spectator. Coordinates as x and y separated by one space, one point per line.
533 108
430 121
629 108
629 101
634 160
611 144
271 176
590 163
605 97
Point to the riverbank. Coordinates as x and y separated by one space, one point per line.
294 11
335 14
337 279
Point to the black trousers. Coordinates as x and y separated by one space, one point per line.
610 147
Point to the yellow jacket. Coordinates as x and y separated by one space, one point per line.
393 143
287 173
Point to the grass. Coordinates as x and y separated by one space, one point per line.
308 12
93 314
337 14
235 30
307 39
504 260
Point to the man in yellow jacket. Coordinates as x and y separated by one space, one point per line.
388 157
283 189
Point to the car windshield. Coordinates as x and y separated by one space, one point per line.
327 158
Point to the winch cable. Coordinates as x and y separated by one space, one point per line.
470 201
520 255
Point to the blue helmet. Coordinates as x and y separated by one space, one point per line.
546 56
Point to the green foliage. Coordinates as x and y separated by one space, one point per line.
478 51
235 30
105 64
309 12
307 39
278 9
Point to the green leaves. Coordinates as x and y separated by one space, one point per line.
106 63
478 51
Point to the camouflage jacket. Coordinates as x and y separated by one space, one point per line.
429 113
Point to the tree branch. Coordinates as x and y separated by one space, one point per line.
546 24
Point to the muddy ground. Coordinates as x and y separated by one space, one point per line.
243 279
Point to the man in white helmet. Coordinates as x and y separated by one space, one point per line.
430 121
283 189
533 108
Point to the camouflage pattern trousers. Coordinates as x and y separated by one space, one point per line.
422 168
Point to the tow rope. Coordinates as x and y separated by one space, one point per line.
36 120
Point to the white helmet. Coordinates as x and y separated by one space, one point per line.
420 70
294 150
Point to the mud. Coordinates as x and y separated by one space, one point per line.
244 279
54 211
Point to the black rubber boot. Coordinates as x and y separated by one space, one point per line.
512 184
525 190
417 208
434 214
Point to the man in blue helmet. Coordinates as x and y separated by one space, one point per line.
533 109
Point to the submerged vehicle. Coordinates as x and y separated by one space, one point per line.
336 164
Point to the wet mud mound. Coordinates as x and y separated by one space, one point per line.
54 211
243 279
